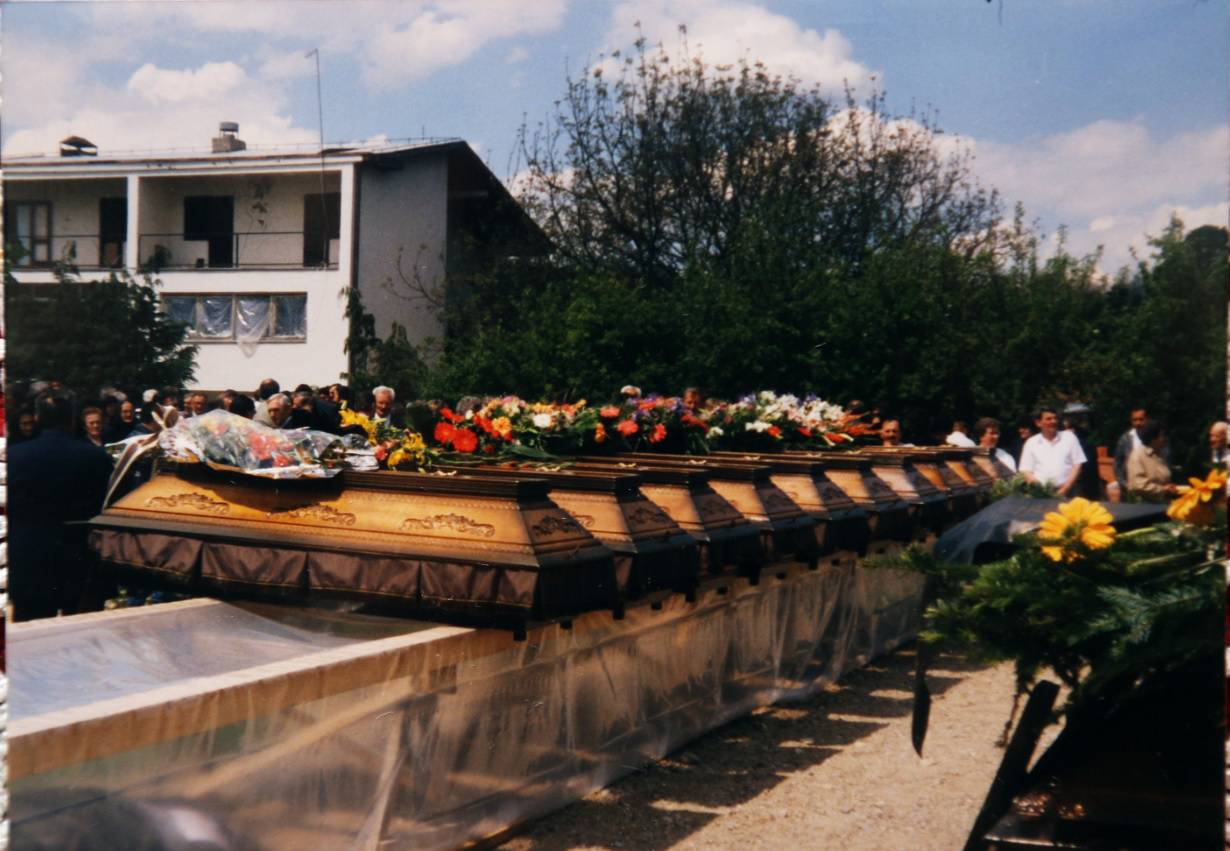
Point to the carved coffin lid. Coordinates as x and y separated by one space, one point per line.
985 459
803 480
933 463
904 472
853 473
684 493
609 505
747 485
961 459
411 515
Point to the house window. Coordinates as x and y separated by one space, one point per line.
211 219
243 318
321 215
27 225
112 231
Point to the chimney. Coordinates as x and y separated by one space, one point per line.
226 141
77 146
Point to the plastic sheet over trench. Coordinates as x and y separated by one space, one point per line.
274 729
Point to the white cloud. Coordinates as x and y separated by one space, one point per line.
445 34
163 85
1106 165
161 108
1112 182
727 32
286 65
517 54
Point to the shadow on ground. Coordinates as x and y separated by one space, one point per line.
680 794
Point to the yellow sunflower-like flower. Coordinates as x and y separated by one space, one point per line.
1077 522
502 426
1196 499
349 418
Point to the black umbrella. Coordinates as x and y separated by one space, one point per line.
988 534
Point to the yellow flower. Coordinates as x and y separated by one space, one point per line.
1195 501
396 457
1077 522
502 426
349 418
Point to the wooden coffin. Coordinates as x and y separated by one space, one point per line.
729 542
963 498
961 461
888 514
496 550
788 532
652 553
843 523
928 504
985 459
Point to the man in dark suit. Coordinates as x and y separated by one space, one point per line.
1127 442
53 482
1216 454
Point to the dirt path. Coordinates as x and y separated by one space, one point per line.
835 772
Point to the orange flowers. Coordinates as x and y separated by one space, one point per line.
609 412
1196 499
444 432
627 428
658 434
599 433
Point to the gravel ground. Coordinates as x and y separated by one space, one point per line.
835 772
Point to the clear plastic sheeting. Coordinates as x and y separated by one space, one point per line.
289 315
340 731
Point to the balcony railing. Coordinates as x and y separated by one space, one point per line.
85 251
230 250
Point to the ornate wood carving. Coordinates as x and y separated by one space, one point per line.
553 523
196 501
457 522
324 513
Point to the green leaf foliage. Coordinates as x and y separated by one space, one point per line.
95 333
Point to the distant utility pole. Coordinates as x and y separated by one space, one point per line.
320 124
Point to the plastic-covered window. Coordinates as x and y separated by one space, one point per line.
289 315
253 317
182 308
217 316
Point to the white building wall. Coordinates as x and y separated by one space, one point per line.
403 210
74 211
319 359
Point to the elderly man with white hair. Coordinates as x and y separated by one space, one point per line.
1216 455
382 404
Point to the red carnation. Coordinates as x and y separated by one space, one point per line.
774 431
449 415
805 431
465 440
444 432
659 433
627 428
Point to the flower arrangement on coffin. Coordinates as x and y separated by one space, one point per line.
489 433
767 421
393 448
1108 613
656 424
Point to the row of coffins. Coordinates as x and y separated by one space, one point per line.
512 545
660 596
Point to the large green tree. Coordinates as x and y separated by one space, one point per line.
90 334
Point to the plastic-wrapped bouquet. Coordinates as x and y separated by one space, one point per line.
229 442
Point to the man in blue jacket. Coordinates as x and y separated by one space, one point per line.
53 482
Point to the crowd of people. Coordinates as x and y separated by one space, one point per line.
1053 448
59 473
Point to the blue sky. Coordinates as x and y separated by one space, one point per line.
1104 116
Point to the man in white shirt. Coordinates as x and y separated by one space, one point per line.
1052 456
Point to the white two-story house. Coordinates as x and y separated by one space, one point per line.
255 249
